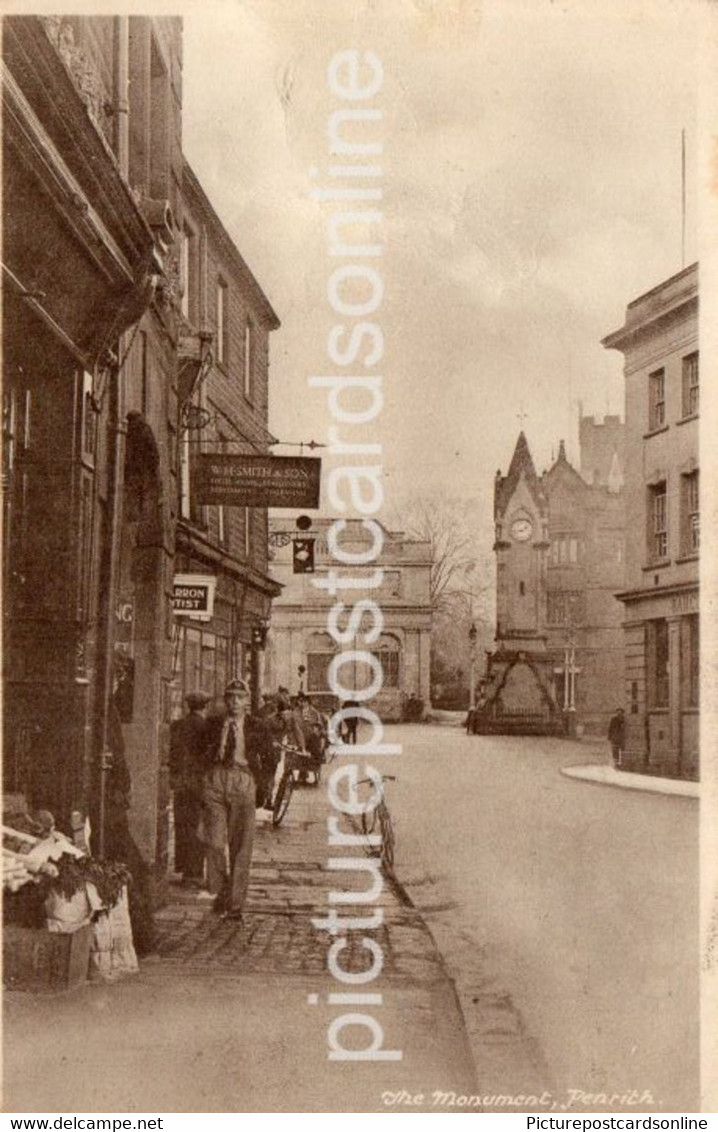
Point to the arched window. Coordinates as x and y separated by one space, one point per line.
320 649
388 651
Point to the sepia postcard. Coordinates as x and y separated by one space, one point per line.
359 559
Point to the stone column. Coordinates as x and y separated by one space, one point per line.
675 677
424 666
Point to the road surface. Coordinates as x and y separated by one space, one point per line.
581 899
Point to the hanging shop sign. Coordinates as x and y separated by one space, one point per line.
258 481
193 595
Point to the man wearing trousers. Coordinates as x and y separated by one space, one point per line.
229 798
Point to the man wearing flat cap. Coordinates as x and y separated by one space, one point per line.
188 740
229 798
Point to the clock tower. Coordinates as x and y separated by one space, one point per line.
521 522
519 696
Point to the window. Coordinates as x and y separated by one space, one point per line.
320 650
222 344
657 663
690 514
564 607
247 532
657 399
564 550
690 385
248 359
389 654
657 522
690 660
188 272
89 420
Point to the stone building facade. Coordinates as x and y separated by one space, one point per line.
659 341
226 321
299 635
557 663
91 184
134 336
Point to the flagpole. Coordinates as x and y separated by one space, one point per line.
683 198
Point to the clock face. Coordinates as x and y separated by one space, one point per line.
521 529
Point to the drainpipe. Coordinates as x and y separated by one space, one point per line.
117 431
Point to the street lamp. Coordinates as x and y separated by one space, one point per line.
473 634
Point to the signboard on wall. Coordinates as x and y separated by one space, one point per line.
193 596
257 481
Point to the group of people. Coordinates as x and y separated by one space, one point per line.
222 769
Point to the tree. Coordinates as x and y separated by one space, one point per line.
461 586
459 569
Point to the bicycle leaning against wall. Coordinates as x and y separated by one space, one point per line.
377 822
294 764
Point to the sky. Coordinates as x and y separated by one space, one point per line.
531 177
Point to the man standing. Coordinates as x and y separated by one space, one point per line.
188 739
617 736
229 799
310 725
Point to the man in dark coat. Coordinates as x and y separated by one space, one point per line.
617 735
188 740
228 803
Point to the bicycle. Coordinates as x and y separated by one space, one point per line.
380 813
296 761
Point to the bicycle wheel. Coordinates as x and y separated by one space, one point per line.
368 821
283 797
387 838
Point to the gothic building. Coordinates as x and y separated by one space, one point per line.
556 667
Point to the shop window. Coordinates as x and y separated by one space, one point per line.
690 514
690 388
657 663
658 522
656 399
690 659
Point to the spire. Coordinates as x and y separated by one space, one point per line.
521 464
521 461
561 450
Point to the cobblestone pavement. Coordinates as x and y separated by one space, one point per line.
229 1017
288 889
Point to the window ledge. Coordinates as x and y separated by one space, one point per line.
659 711
659 565
689 418
655 431
692 710
692 557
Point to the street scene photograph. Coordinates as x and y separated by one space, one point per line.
359 651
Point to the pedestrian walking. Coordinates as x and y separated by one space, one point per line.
188 740
228 804
617 736
351 722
